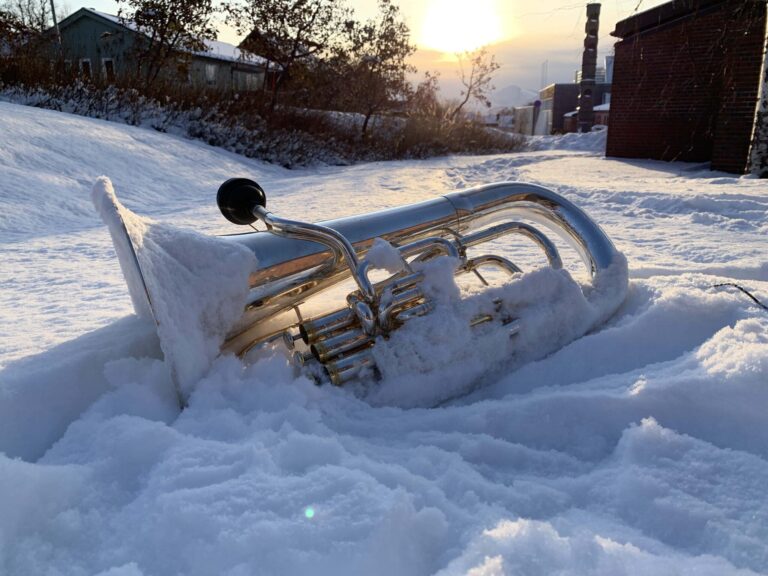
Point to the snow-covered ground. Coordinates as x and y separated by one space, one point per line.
641 448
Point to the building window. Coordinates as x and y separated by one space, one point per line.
108 69
252 81
210 74
85 67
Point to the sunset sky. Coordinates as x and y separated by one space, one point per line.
522 35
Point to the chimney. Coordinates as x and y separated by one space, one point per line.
586 117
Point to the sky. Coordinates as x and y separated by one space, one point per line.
522 35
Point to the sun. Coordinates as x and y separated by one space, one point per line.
461 25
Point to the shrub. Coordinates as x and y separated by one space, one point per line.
242 123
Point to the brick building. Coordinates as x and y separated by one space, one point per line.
685 82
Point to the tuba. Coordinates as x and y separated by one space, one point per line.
298 261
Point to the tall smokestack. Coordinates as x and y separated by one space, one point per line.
588 69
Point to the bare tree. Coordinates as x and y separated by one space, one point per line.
476 71
13 35
758 158
378 50
286 32
171 31
424 100
24 53
32 14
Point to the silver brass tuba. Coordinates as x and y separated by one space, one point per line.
297 260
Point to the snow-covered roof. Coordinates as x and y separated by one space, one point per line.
598 108
216 49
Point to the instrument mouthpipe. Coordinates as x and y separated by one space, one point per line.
279 257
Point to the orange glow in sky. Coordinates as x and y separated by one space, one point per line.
460 25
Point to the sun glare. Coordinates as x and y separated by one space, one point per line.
461 25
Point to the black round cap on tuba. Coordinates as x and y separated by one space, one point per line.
237 198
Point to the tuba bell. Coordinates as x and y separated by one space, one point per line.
298 261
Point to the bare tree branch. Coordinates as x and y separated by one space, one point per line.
476 82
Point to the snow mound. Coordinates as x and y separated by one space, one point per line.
579 142
536 548
439 356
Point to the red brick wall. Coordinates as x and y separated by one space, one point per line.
687 90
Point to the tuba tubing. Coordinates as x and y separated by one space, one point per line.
290 270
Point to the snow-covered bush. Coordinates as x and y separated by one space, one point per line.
288 136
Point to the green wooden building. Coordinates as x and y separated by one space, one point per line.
102 47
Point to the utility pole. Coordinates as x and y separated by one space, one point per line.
56 27
586 113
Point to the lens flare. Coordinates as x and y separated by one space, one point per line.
309 512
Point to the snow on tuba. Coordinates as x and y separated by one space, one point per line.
386 255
